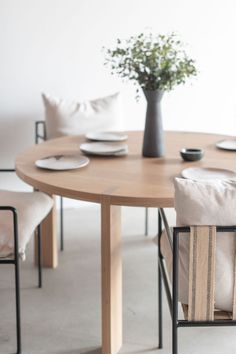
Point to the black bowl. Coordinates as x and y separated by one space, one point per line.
192 154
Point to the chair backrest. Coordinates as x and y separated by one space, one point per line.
202 273
73 118
200 203
64 117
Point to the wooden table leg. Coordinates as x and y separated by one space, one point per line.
49 240
111 278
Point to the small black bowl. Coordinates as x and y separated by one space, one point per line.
192 154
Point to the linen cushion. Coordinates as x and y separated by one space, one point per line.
208 202
75 117
31 207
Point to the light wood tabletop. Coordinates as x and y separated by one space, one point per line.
129 180
113 182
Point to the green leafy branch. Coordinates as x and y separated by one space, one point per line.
153 62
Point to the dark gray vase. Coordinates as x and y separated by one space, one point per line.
153 140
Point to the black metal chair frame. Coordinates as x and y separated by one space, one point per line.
172 293
40 135
15 261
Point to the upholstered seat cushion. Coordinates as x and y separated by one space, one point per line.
208 202
31 207
76 117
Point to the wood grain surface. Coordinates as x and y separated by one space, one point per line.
130 180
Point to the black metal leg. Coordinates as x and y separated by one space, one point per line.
160 316
174 339
17 282
61 225
175 294
18 317
39 256
146 221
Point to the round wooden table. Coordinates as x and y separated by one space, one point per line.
115 181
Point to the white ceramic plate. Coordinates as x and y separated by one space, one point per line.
227 145
107 136
197 173
62 162
105 149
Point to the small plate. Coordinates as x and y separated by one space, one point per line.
197 173
104 149
107 136
62 162
227 145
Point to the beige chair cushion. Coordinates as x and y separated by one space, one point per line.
74 118
32 208
205 202
208 202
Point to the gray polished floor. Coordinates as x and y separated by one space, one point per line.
64 316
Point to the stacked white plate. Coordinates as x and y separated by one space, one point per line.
105 144
104 149
107 136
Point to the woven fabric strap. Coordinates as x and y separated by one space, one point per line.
202 273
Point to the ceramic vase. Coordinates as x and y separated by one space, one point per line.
153 140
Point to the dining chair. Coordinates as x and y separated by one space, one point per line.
196 260
20 214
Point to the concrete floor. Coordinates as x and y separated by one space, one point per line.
64 316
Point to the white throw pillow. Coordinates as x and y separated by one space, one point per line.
208 202
74 118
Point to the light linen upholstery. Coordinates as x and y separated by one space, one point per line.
208 202
74 117
32 208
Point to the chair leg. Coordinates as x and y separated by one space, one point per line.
175 272
160 317
39 256
160 313
146 221
17 278
61 224
174 338
18 315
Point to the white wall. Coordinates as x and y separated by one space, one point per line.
55 46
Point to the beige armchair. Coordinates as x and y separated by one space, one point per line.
196 259
20 214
